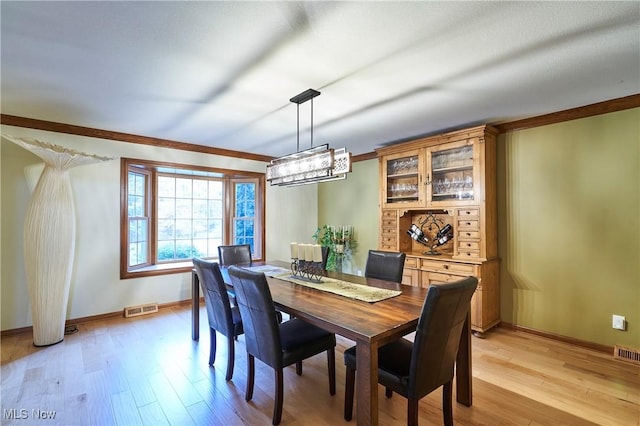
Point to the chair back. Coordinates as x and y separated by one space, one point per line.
261 331
234 254
437 337
385 265
216 298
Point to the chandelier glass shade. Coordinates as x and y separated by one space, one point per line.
316 164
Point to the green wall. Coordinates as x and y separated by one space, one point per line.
353 201
568 225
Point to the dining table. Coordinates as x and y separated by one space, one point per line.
369 325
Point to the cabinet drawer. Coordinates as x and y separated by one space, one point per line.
468 246
466 213
389 214
464 224
389 223
469 254
388 241
468 235
411 262
436 278
447 267
389 232
388 247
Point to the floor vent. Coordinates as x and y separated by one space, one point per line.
627 354
134 311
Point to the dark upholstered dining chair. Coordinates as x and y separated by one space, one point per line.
276 344
234 254
416 369
385 265
223 318
238 254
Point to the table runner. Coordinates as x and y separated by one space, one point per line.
344 288
268 270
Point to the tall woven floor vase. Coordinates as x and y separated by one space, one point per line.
49 246
49 238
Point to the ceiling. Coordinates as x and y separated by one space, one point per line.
220 74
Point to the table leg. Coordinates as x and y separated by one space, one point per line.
367 383
195 306
463 365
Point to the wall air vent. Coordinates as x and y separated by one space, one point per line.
627 354
134 311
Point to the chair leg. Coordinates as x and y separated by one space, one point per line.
331 364
447 411
350 375
231 355
388 392
250 377
299 368
212 346
412 411
277 408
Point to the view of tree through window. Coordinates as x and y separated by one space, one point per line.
138 219
190 217
176 212
244 219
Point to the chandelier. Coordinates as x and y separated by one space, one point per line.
316 164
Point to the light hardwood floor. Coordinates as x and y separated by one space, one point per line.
147 370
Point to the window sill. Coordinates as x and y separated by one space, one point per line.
164 269
161 269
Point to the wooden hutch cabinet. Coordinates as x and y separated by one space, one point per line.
429 183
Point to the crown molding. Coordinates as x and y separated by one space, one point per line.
32 123
613 105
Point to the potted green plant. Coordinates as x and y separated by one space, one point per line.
340 241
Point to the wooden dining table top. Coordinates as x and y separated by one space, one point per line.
350 318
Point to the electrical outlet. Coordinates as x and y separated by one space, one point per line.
619 322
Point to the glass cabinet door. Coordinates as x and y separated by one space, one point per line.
401 178
452 174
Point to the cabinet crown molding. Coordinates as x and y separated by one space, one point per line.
473 132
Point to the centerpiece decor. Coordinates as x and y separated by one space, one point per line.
308 261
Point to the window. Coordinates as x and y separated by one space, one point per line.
190 217
138 217
244 213
172 213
